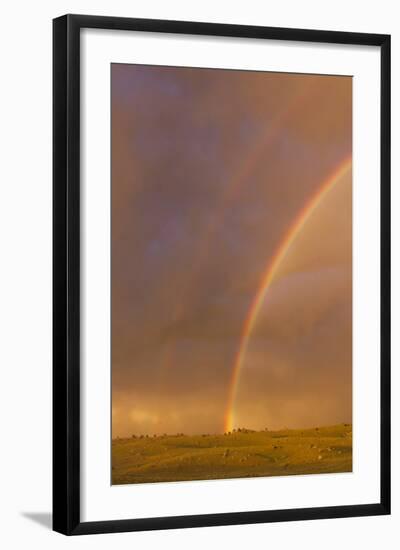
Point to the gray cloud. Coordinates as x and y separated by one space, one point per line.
209 168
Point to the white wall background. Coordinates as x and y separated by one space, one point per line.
25 273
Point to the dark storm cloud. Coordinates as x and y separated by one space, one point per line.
209 168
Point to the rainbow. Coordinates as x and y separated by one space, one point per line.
266 280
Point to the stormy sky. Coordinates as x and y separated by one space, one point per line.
209 169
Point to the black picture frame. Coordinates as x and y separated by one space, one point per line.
66 273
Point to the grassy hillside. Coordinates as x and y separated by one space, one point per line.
243 453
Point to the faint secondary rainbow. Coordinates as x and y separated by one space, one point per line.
266 280
241 176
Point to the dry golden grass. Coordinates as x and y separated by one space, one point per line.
243 453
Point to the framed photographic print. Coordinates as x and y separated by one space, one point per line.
221 274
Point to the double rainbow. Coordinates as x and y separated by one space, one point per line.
266 280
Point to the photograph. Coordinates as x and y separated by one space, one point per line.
201 249
231 273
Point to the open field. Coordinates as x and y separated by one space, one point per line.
243 453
